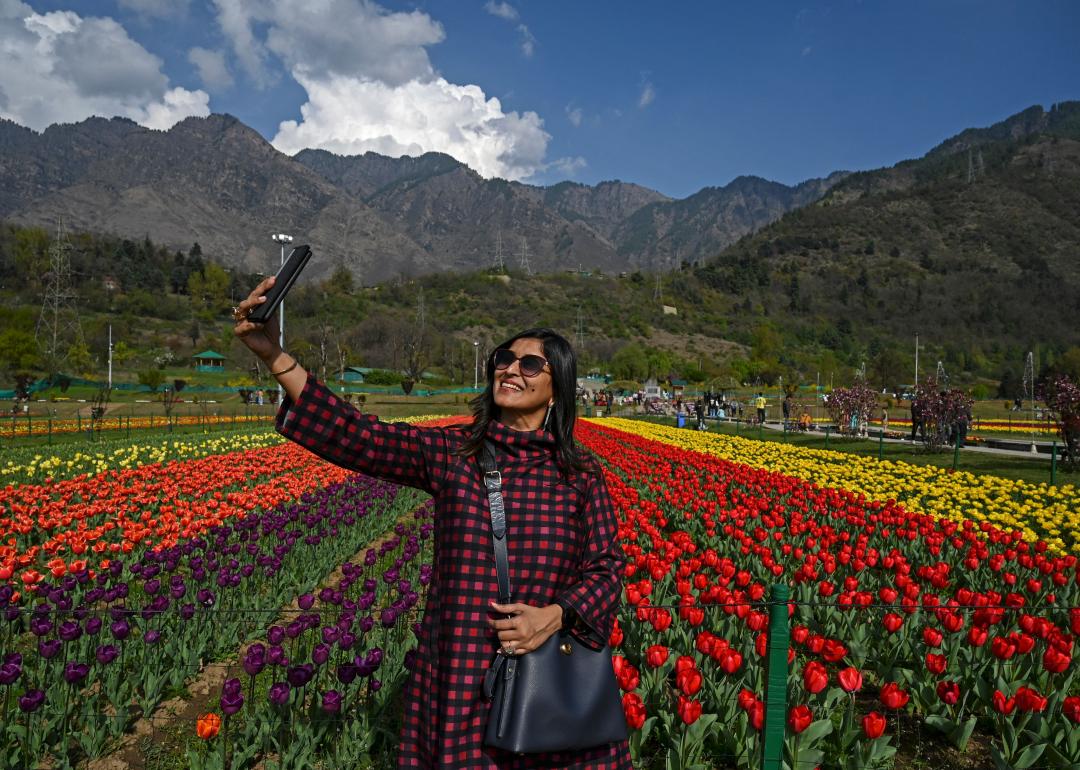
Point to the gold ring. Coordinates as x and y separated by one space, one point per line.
509 650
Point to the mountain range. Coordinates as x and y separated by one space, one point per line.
217 182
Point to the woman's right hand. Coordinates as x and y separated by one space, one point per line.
261 338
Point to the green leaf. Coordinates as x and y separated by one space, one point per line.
942 724
1029 756
961 734
814 733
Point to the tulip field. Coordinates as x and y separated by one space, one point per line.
914 595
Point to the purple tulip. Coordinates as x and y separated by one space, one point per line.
49 648
232 698
374 684
331 701
275 635
75 672
120 629
279 693
410 660
346 673
9 672
151 587
205 597
151 637
40 626
375 656
330 634
367 623
70 630
31 700
294 629
300 675
320 654
277 657
13 657
92 626
106 654
306 602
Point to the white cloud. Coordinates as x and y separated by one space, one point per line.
371 85
502 10
528 41
574 115
647 96
509 13
213 71
350 116
569 166
156 9
54 69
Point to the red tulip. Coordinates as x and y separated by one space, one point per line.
757 715
747 699
634 709
689 681
688 709
1002 648
949 692
799 718
1001 704
1030 700
932 637
1071 708
893 697
656 655
731 661
936 664
851 679
1055 661
815 677
893 622
873 725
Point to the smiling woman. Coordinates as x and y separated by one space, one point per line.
560 537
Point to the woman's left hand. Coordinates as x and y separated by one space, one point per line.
528 629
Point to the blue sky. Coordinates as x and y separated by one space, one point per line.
674 96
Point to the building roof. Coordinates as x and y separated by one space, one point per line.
209 354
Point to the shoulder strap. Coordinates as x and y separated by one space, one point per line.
497 510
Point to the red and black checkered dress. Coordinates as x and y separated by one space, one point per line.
562 549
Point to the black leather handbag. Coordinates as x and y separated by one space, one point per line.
560 697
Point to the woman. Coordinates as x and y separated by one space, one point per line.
565 561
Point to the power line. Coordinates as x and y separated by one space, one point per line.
525 256
58 322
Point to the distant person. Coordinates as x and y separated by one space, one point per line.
699 410
759 404
785 407
917 427
884 419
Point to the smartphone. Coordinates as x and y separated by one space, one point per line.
284 280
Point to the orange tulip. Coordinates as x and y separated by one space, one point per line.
208 725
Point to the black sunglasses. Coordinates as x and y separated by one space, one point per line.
531 365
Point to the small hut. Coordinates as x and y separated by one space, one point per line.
209 361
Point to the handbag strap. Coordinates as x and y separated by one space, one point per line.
497 510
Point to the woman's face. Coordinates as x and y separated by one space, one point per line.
523 400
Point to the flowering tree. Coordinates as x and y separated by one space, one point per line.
851 407
1063 396
939 411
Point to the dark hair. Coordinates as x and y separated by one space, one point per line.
560 355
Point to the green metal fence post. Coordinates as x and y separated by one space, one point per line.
956 451
776 676
1053 464
828 428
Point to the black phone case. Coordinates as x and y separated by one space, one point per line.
286 277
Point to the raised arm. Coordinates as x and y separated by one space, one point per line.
336 431
312 416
